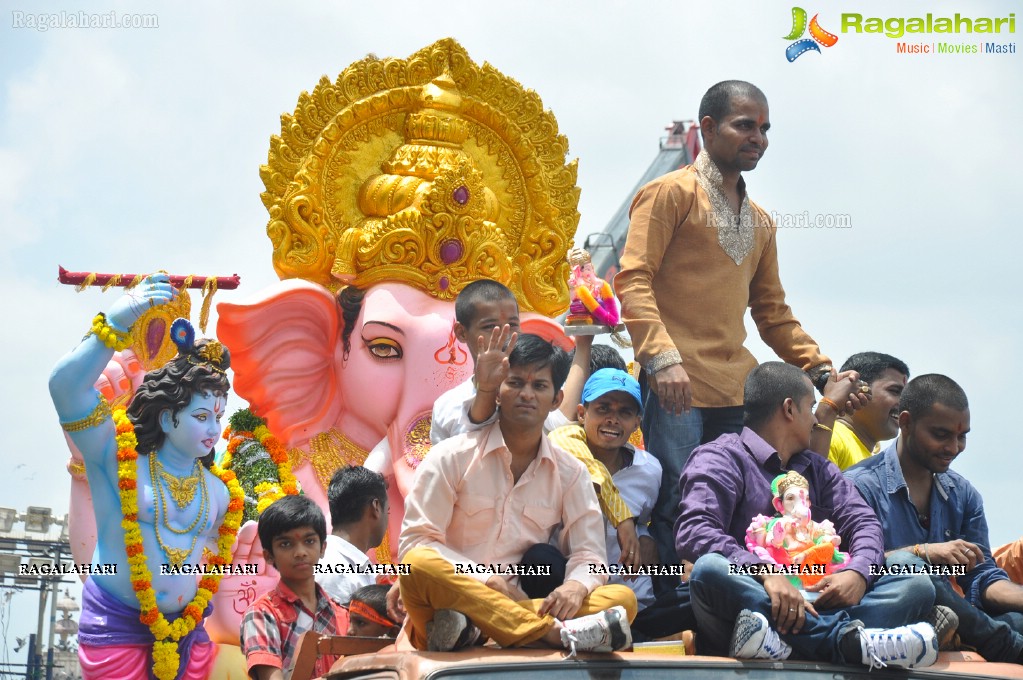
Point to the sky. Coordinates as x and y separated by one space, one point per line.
137 149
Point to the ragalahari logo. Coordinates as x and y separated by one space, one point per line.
818 35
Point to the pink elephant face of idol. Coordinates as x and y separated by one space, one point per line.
796 502
402 340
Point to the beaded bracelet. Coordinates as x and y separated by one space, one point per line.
110 336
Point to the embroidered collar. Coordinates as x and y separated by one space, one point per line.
735 233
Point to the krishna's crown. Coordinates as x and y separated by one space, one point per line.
431 171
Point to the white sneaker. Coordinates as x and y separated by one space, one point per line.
753 638
912 646
606 631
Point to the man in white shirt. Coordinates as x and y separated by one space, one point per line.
357 498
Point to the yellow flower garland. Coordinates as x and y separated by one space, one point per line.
166 659
266 492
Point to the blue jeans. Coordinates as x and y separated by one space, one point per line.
719 596
671 439
997 638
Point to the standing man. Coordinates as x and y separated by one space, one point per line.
698 253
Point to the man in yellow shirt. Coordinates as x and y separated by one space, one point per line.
856 436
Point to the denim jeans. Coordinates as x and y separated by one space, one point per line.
997 638
671 438
719 596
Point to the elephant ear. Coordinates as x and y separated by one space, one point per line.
285 345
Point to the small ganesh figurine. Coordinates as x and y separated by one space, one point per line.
791 537
592 302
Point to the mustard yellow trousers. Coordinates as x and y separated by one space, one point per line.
432 584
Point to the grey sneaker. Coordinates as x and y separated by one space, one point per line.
945 623
912 646
753 638
450 630
606 631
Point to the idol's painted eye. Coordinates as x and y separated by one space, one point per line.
384 348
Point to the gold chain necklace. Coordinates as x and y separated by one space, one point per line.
182 489
176 556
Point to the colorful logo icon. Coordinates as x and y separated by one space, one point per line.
817 35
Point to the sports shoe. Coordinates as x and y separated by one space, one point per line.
606 631
450 630
912 646
945 623
753 638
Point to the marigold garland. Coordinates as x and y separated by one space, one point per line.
246 427
166 659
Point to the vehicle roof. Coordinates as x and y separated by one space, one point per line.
416 664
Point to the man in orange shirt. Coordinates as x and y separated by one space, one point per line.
480 500
698 253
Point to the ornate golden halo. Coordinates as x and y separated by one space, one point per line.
432 171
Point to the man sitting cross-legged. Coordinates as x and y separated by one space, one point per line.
933 515
727 482
479 501
608 415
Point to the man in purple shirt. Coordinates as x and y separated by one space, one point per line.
727 482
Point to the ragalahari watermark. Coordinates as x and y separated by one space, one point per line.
46 21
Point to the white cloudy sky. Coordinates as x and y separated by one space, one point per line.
137 150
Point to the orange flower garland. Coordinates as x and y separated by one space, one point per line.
166 634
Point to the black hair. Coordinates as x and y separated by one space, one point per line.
351 490
925 391
375 596
717 101
289 513
350 300
605 356
482 290
532 350
870 365
172 386
768 386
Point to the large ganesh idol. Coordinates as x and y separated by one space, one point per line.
388 191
